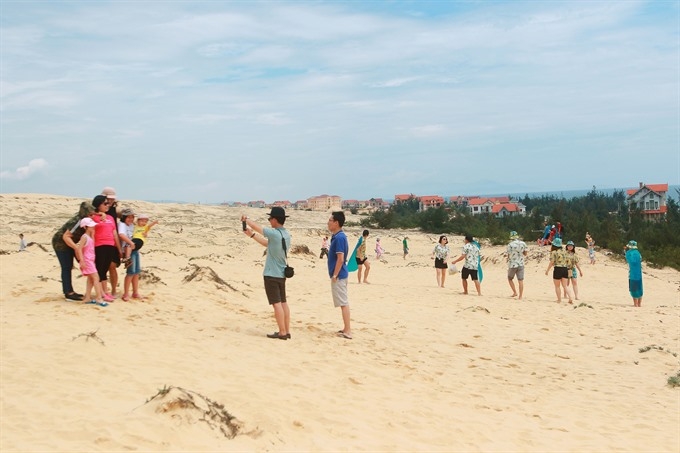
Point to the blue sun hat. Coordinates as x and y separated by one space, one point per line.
514 235
571 243
557 242
632 245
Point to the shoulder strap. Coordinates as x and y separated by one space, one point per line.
283 244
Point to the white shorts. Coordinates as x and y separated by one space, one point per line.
339 291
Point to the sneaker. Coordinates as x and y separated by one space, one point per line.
108 297
276 335
73 296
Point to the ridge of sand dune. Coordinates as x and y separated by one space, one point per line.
428 368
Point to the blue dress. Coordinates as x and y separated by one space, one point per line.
634 260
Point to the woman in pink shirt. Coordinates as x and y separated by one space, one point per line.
106 242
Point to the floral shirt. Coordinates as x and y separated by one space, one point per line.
573 260
441 251
516 250
471 253
559 258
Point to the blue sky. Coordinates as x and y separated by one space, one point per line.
237 101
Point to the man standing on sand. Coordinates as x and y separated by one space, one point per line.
517 250
274 277
471 256
337 269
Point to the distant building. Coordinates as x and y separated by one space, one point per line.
285 204
300 204
430 201
400 198
257 204
324 203
353 204
497 206
650 199
377 204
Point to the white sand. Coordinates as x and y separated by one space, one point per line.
428 369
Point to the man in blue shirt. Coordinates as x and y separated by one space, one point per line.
337 269
274 277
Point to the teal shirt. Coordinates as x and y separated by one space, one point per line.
276 257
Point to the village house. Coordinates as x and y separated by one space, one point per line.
377 204
285 204
257 204
353 204
324 203
430 201
650 199
400 198
300 204
497 206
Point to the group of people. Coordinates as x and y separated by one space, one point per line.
551 232
564 262
276 239
101 240
471 267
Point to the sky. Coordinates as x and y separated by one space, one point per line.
210 102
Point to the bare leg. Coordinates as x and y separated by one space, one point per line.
443 271
439 277
558 290
98 291
113 275
520 283
368 268
464 285
135 286
91 279
280 318
478 286
567 289
575 287
286 316
345 320
511 282
126 286
360 271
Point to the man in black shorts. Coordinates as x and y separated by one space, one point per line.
471 256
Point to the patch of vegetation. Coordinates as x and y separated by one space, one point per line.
210 412
674 381
92 335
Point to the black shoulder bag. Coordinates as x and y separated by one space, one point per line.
287 271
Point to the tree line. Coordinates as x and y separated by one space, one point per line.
606 217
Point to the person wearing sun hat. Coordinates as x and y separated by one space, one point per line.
560 261
517 250
274 237
634 260
573 267
86 257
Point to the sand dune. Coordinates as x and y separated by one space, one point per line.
190 369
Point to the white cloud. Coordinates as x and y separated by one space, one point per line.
428 130
395 82
21 173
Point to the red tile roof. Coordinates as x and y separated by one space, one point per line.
659 188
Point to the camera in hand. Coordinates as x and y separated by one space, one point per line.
244 225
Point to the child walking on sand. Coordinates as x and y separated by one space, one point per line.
378 249
85 255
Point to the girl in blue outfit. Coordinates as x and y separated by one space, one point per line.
634 260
